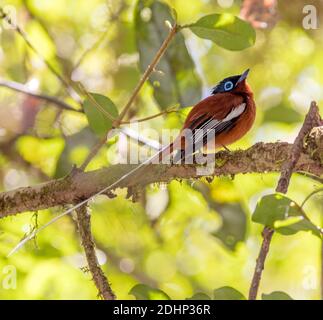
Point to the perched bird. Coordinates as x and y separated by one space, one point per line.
222 118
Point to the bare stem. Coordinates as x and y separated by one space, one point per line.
312 119
21 32
149 70
99 278
94 151
150 117
113 18
260 263
23 89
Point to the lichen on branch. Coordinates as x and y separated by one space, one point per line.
260 158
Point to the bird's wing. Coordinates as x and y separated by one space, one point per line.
216 107
210 128
210 117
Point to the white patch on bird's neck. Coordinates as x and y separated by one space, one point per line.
236 112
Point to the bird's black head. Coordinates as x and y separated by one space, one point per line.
228 84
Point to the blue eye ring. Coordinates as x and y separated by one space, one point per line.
228 86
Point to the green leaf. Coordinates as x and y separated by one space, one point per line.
143 292
199 296
227 293
176 80
282 214
226 30
276 295
97 108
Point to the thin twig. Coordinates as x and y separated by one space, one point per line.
24 36
267 236
19 87
115 16
42 24
16 86
96 44
96 104
172 110
93 152
99 145
311 195
149 70
312 119
145 76
99 278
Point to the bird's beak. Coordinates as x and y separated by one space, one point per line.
244 75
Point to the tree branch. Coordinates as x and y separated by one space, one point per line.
260 158
66 83
312 119
24 89
149 70
99 278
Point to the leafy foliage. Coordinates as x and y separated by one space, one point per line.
276 295
176 80
143 292
199 296
100 111
283 214
225 30
100 46
227 293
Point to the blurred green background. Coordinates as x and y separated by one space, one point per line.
185 237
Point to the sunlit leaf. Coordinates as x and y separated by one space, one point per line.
175 80
226 30
143 292
227 293
282 214
99 109
199 296
276 295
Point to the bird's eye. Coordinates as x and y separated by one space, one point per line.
228 86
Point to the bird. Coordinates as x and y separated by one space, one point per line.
218 120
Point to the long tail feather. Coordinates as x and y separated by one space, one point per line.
164 152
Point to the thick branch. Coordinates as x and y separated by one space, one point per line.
260 158
99 278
